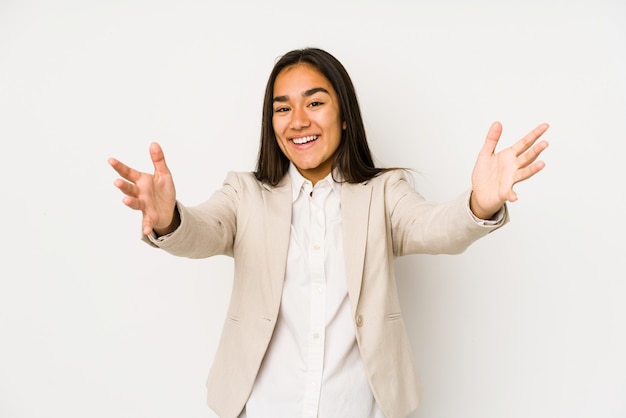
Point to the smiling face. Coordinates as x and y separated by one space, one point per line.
306 120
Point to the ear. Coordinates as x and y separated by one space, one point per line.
344 126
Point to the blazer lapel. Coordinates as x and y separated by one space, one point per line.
277 206
355 207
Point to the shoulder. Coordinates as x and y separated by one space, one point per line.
244 177
392 177
247 181
241 179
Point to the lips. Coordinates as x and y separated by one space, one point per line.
304 139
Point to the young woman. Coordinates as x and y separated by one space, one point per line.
314 327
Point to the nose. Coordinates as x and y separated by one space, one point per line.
299 118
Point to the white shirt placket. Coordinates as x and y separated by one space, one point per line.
316 251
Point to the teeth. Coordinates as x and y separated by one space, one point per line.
304 140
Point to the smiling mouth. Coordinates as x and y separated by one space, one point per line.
304 140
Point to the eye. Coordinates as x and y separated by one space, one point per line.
281 109
315 104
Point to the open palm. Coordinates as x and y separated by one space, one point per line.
495 174
152 194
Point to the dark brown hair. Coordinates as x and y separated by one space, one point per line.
353 158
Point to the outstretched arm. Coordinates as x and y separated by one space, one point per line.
495 174
152 194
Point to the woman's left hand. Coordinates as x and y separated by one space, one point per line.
495 174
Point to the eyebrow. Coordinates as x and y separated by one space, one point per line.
307 93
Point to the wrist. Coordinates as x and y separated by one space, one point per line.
481 212
174 224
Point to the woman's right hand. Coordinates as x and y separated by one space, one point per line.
153 194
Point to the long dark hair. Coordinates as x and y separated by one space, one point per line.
353 158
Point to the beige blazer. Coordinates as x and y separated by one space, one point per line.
383 218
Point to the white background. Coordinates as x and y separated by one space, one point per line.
529 322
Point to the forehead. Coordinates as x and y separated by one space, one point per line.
299 78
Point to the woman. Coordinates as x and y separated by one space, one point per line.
314 326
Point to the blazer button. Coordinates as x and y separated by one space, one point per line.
359 320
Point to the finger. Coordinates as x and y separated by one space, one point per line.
147 223
529 157
512 197
146 226
527 172
125 171
158 159
129 189
491 141
133 203
526 142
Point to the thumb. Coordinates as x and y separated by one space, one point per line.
158 159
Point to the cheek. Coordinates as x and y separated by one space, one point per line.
276 129
279 121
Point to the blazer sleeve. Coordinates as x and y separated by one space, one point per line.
206 229
422 226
